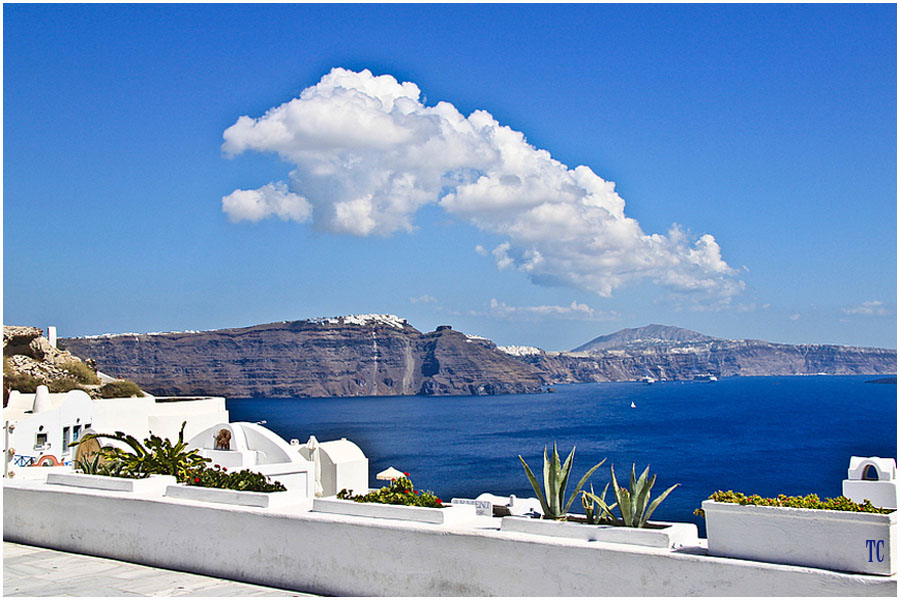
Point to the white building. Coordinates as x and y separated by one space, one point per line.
318 469
40 426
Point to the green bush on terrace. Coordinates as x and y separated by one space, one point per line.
400 491
13 380
61 386
811 501
244 480
81 372
120 389
163 457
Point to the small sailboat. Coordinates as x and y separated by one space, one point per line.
632 404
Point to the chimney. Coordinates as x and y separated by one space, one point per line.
51 335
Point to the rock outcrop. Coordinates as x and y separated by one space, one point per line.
368 355
29 359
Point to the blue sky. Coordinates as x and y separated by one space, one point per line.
766 132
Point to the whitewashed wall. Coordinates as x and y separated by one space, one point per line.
346 556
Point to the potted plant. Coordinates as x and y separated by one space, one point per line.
835 533
600 523
398 500
147 467
243 488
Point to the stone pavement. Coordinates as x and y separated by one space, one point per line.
33 571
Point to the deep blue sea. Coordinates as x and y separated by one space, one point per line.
765 435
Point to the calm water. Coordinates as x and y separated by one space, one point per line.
765 435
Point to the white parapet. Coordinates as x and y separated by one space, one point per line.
342 555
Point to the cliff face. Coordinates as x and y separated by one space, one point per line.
671 353
382 355
375 355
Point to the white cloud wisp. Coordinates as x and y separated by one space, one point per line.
368 154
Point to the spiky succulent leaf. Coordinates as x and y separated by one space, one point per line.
581 482
535 485
656 503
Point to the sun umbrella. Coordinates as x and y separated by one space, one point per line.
390 473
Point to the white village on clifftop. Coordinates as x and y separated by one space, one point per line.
181 500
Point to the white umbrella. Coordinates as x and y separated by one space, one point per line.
313 445
390 473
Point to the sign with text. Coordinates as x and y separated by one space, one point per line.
482 507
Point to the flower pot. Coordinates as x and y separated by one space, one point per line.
657 535
236 497
827 539
153 484
448 515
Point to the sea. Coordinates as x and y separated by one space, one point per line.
757 435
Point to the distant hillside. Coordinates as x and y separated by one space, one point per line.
362 355
650 335
672 353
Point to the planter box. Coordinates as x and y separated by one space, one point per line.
828 539
662 535
153 484
239 498
448 515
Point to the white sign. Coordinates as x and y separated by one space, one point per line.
482 507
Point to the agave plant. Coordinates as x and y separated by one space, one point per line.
89 465
633 502
155 455
595 507
556 478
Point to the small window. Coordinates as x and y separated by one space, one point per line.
76 433
40 440
67 437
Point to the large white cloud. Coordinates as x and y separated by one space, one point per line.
368 154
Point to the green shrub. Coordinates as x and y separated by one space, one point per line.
120 389
400 491
13 380
244 480
155 455
81 372
811 501
60 386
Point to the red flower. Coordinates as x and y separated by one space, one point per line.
225 469
407 474
196 480
438 500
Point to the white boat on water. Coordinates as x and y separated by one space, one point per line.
708 377
646 379
632 404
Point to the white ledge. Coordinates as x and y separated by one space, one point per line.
450 514
154 483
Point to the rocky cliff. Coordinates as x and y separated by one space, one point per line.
671 353
365 355
373 355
